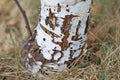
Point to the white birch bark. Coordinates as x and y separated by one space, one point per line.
60 36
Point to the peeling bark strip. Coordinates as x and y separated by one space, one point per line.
60 35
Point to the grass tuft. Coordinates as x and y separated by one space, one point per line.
101 62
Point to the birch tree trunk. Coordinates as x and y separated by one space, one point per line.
60 36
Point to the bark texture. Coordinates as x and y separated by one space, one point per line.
60 36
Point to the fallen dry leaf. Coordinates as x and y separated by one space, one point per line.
99 53
8 50
96 9
1 69
99 32
12 22
91 38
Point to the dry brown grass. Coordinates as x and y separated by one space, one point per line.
103 42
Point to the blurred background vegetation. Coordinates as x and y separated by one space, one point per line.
103 40
12 22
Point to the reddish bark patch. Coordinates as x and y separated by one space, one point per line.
49 32
75 37
65 30
50 18
58 7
